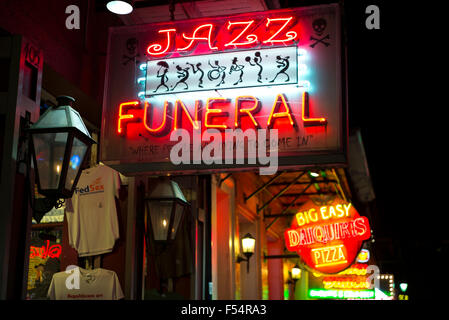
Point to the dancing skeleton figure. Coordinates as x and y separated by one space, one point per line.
216 72
200 81
257 60
184 75
164 67
284 64
236 67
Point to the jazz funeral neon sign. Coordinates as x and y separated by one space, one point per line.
328 237
252 72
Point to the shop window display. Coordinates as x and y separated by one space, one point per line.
44 260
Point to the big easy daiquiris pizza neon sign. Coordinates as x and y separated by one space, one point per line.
327 237
277 69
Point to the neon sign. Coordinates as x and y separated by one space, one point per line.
277 30
341 294
250 38
346 283
255 71
363 256
47 251
356 269
327 237
132 112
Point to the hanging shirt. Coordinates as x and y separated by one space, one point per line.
92 213
81 284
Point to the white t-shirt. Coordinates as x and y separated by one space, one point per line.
81 284
92 214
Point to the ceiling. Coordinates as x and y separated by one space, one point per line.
285 192
146 11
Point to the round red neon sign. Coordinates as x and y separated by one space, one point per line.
327 237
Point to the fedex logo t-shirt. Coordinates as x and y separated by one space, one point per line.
92 214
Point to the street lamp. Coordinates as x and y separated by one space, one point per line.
165 205
248 246
296 273
59 143
403 286
165 209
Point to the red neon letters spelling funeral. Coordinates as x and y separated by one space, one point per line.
145 116
155 121
274 30
276 106
246 111
179 107
329 237
123 116
305 113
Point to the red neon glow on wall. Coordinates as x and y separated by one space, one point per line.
305 113
156 49
47 251
251 38
291 35
194 37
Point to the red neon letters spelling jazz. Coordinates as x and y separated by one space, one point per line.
241 33
155 121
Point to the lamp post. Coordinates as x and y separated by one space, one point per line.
59 142
296 273
165 208
166 205
248 246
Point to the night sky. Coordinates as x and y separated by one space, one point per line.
388 104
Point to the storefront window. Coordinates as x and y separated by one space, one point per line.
44 260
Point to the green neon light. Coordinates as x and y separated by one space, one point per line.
341 294
403 286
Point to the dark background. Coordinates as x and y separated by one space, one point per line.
390 104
